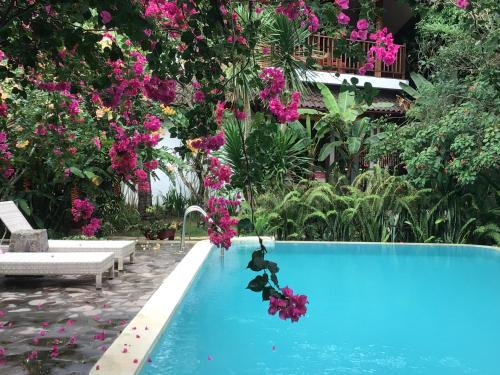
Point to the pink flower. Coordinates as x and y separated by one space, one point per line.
45 324
97 143
362 24
289 306
32 356
274 81
92 227
342 4
72 340
460 3
70 322
81 209
199 97
99 336
105 17
152 123
74 107
343 19
210 358
3 109
163 91
240 115
54 352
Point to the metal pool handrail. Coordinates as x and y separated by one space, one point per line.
188 211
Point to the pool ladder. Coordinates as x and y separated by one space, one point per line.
188 211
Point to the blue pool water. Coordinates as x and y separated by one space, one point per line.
374 309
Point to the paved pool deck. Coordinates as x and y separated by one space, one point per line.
62 325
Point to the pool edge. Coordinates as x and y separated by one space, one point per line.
155 314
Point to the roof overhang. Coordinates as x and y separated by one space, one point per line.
329 78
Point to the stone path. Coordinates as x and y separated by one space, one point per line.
63 325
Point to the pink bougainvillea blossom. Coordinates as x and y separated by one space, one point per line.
342 4
3 109
274 81
289 306
163 91
152 123
92 227
218 174
74 107
72 340
383 50
81 209
297 9
462 3
105 17
343 18
97 143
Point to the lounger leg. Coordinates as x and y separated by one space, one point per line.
120 264
98 281
132 258
111 272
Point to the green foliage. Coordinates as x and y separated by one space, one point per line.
376 207
452 134
278 158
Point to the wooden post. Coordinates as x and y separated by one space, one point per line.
379 23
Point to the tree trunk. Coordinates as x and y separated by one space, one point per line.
144 199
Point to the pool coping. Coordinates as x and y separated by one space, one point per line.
158 310
154 316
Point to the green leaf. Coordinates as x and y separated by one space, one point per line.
329 99
327 149
77 172
23 205
409 90
89 174
307 111
258 283
353 145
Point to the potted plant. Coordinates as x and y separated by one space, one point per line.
167 231
149 229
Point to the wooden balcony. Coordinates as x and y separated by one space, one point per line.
322 53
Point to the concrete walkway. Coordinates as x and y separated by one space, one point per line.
62 325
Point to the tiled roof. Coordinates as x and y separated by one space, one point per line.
314 100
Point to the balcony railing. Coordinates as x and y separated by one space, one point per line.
322 53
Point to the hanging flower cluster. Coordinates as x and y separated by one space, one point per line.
220 223
361 30
299 10
129 82
218 174
384 50
274 84
159 90
290 306
170 13
342 18
82 210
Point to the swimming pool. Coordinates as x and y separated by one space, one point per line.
374 309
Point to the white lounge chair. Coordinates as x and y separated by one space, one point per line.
58 264
15 221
